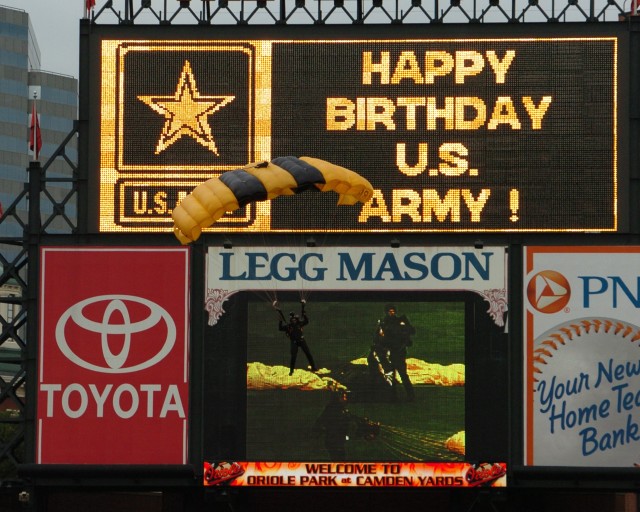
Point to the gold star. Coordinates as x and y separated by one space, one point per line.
186 112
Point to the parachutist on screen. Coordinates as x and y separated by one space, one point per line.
337 423
390 341
294 329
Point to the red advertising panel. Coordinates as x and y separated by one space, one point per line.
113 376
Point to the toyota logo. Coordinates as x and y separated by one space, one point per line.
548 291
115 361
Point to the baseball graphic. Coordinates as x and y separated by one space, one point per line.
585 375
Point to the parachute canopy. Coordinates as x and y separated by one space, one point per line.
286 175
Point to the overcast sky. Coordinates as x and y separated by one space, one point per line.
56 24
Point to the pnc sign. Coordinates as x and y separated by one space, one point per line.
581 360
113 356
548 291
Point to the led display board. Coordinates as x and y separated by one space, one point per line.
366 397
502 131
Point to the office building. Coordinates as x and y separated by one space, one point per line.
57 106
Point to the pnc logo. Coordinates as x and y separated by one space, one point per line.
548 291
112 325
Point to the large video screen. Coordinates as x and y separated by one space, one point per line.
515 130
355 367
366 407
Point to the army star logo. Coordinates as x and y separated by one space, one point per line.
186 112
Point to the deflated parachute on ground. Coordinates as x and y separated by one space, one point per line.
286 175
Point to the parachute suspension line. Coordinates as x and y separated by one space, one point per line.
320 239
306 244
265 290
268 296
412 444
271 290
304 294
284 354
276 305
310 244
300 244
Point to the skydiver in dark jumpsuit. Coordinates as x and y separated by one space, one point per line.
294 331
392 337
335 422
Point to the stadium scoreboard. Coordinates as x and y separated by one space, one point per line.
503 133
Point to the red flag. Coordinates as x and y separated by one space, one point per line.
34 133
90 4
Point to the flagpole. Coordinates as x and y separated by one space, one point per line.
88 5
34 124
35 136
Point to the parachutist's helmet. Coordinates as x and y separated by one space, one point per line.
293 317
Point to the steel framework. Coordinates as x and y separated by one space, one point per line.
318 12
20 271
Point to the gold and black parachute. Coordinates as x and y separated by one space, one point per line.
261 181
